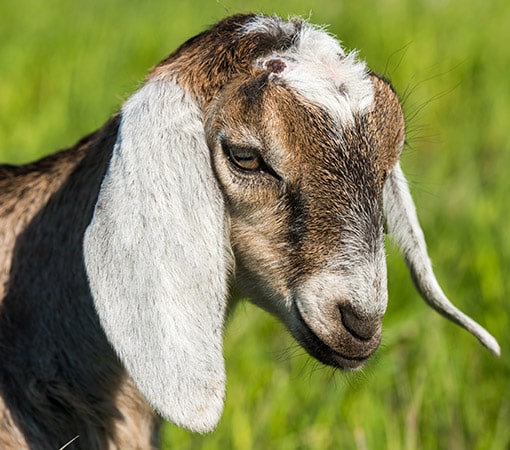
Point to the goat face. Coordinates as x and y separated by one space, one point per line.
259 145
304 196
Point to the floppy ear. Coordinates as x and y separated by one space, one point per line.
156 255
403 226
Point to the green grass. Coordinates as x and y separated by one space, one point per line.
66 66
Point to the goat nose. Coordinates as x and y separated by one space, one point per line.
363 328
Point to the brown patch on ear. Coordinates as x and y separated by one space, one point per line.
386 123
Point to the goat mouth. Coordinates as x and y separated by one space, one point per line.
327 355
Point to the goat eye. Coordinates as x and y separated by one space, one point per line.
244 158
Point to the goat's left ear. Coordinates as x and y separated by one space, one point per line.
405 230
157 256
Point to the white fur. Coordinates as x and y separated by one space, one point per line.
404 228
320 71
156 256
272 25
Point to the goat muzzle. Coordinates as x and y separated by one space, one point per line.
347 343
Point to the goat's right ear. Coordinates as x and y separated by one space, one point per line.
157 256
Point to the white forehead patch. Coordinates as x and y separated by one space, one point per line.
318 68
269 25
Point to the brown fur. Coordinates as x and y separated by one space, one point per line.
287 226
207 61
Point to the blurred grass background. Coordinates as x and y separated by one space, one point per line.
65 66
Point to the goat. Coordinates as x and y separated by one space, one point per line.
258 153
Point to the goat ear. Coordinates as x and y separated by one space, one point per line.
404 228
157 256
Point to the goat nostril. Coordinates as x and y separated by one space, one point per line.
361 328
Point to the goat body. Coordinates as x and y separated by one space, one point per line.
60 377
259 153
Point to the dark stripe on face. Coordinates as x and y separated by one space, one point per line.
298 218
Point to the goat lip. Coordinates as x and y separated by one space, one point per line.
326 355
321 351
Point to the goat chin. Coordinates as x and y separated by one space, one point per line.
259 154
